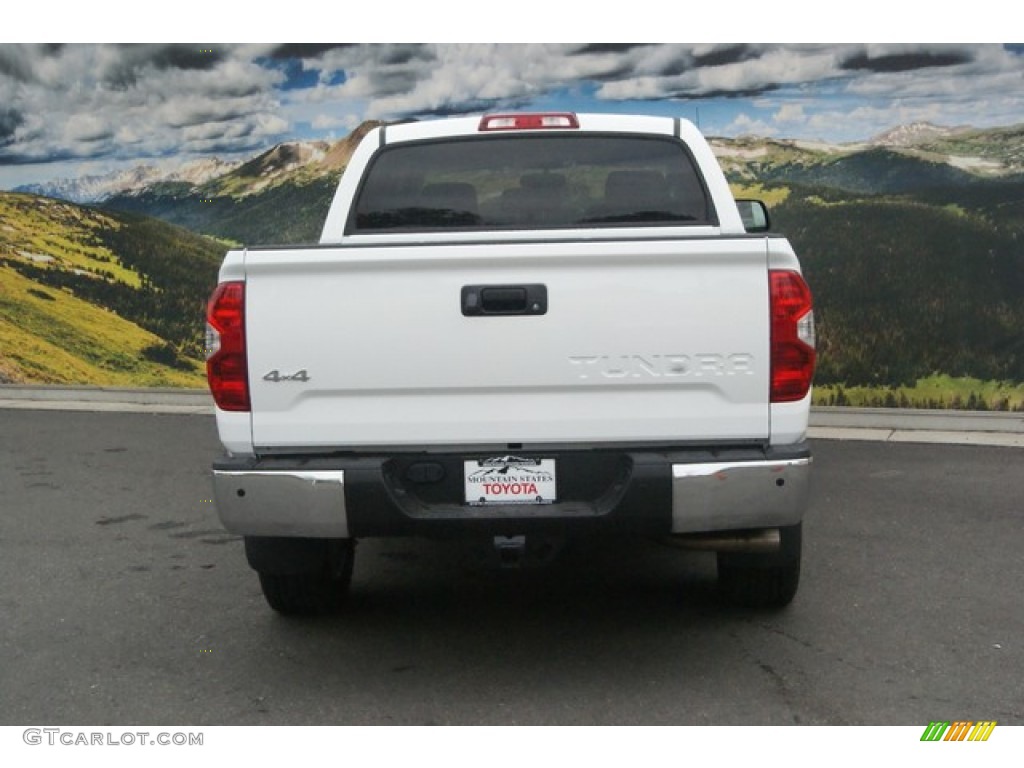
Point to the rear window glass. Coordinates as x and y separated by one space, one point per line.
531 182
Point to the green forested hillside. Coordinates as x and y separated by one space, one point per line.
281 196
1003 145
91 297
873 171
291 212
915 256
904 289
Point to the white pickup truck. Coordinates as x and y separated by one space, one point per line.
516 329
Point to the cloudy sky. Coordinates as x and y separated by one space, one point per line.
73 109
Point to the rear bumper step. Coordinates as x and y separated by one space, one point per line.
679 493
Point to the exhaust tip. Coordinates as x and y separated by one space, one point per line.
766 541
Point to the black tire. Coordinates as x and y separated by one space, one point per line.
319 592
762 581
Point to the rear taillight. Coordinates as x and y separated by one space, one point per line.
531 121
226 366
792 341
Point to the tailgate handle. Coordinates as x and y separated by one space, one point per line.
504 300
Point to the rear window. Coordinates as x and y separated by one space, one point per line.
529 182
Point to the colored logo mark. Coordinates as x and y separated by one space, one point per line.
959 730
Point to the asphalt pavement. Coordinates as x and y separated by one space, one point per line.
125 602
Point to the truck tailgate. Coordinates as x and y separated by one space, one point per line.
639 340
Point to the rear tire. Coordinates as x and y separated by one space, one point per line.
759 580
324 590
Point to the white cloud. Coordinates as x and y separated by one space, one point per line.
144 101
330 122
790 113
111 101
743 124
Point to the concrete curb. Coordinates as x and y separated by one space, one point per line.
125 399
904 425
896 425
913 419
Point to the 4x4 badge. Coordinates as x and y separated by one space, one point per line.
277 376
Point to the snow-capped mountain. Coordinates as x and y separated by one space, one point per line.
237 177
912 134
95 189
91 189
201 171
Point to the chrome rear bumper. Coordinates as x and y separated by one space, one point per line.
282 503
742 494
663 493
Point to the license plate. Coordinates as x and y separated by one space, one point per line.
510 480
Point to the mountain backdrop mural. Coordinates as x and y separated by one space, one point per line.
912 243
911 240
